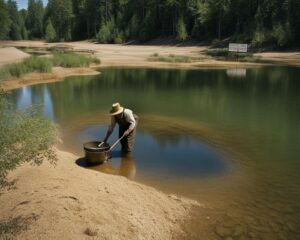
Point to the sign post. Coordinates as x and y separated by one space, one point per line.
238 48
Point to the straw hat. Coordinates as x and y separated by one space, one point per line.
116 109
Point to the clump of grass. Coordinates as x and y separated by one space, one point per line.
219 52
170 58
42 65
31 64
73 60
225 55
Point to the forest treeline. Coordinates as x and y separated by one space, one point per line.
259 22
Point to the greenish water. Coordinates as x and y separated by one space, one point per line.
229 139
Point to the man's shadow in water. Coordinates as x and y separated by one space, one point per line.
127 166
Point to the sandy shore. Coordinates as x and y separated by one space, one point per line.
70 202
11 55
127 56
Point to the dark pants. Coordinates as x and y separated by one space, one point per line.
128 141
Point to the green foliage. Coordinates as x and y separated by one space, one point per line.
73 60
282 34
265 22
34 19
219 52
25 136
61 14
181 30
41 64
5 21
15 29
31 64
105 34
170 58
225 55
50 34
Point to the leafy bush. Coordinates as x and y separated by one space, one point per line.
105 34
282 34
181 30
25 136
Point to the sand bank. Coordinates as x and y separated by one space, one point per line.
11 55
129 56
69 202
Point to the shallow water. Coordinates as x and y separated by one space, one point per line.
227 138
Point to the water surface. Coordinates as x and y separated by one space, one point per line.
227 138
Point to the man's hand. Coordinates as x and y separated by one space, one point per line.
126 133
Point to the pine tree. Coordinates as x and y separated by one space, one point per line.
5 21
15 29
61 15
50 34
34 20
181 30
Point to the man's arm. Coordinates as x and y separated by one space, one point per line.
110 129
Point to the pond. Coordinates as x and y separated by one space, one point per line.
228 138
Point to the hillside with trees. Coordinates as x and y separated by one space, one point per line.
262 23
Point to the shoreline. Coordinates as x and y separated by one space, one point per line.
73 202
57 74
88 203
114 55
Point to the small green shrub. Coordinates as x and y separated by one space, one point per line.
69 60
25 136
220 52
170 58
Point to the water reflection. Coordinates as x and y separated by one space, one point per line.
35 95
236 72
123 164
168 154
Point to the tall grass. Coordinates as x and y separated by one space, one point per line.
73 60
31 64
41 64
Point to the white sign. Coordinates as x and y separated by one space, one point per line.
238 47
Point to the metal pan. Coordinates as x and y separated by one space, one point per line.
98 152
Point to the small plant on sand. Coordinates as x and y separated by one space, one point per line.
170 58
25 136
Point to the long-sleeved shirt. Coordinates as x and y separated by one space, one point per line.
128 115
